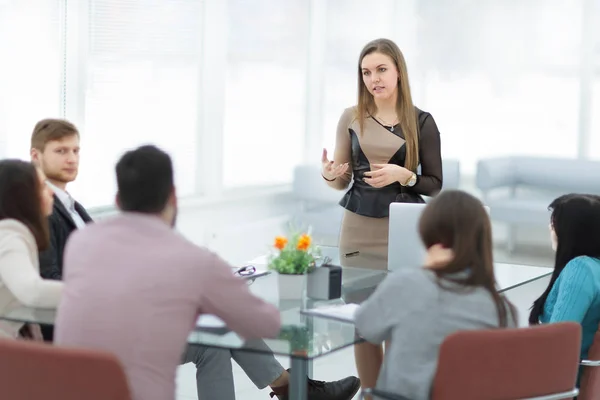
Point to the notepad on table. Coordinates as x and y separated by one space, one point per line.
209 321
344 312
211 324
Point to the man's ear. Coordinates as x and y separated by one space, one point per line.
173 197
118 201
35 156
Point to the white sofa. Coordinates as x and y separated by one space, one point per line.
518 190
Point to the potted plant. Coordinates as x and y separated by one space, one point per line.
292 259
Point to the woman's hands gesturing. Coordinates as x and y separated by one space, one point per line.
331 171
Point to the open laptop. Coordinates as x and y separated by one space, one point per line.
405 249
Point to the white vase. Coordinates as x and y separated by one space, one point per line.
291 287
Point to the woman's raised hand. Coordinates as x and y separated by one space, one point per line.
329 170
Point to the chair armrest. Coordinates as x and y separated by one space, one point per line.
380 394
590 363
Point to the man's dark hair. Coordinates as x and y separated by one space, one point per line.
144 180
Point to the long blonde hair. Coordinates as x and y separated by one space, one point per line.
404 104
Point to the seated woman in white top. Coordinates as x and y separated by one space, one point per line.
414 310
25 203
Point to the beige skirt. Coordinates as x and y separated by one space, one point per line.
364 241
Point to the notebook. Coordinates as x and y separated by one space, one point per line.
211 324
344 312
209 321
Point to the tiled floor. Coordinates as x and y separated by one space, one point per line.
341 363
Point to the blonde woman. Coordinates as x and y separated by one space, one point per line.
379 144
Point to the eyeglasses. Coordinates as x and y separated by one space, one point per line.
246 270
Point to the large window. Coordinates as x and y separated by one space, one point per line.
238 91
594 148
595 126
495 75
30 70
265 91
141 86
350 25
494 82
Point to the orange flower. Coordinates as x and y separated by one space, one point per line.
280 242
303 242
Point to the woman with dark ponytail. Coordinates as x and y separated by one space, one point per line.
416 309
573 293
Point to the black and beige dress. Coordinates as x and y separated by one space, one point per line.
364 231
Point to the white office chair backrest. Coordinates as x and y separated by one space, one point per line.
405 249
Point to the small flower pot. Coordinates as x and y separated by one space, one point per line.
291 287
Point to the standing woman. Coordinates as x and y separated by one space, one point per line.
379 144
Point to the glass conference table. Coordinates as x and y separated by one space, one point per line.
305 338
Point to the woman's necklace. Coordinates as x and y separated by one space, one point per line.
388 124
